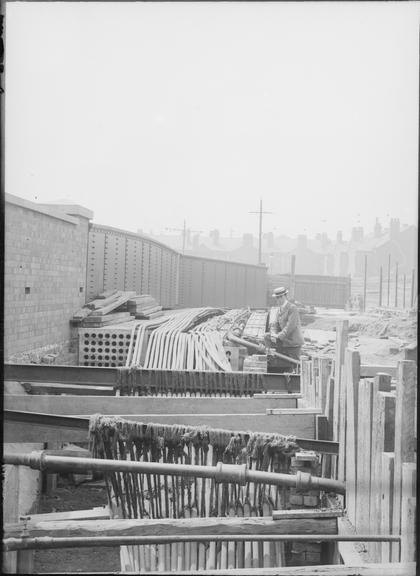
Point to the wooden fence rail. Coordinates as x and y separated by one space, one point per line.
375 424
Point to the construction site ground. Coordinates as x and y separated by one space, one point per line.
65 498
379 335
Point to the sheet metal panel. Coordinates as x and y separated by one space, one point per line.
114 262
132 265
209 284
95 263
316 290
145 267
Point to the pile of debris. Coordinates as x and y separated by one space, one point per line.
393 323
116 307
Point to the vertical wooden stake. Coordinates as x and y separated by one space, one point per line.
340 395
387 499
352 372
408 512
396 285
389 277
383 438
405 440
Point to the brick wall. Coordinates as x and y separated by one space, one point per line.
45 276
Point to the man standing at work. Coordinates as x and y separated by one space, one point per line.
285 331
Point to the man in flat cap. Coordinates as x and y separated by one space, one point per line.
285 331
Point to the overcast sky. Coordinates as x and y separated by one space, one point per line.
149 113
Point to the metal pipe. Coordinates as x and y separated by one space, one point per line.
259 348
44 542
220 473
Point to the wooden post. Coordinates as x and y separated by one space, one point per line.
364 437
339 392
364 284
380 287
387 499
324 374
396 284
389 278
352 372
405 440
383 437
408 512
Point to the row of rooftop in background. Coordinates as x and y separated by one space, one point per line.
319 255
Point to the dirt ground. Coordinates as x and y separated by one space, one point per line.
379 335
68 498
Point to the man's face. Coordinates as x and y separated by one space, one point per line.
281 299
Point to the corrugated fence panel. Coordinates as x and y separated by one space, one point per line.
95 264
120 260
114 262
145 267
315 290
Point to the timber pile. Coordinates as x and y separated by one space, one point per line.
116 307
256 326
155 496
144 306
174 345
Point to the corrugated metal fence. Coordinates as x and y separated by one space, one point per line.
328 291
122 260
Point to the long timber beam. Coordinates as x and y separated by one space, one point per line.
54 404
85 375
174 527
22 426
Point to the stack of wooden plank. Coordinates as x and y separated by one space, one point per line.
144 306
256 326
106 309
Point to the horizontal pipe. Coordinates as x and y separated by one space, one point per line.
261 349
220 473
45 542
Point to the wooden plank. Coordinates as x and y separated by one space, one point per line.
408 512
339 414
364 439
405 441
351 552
36 388
145 404
98 513
324 374
370 371
383 437
323 570
293 423
308 513
387 498
174 527
352 377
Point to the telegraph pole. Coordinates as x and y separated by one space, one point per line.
260 213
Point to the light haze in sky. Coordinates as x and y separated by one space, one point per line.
152 113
